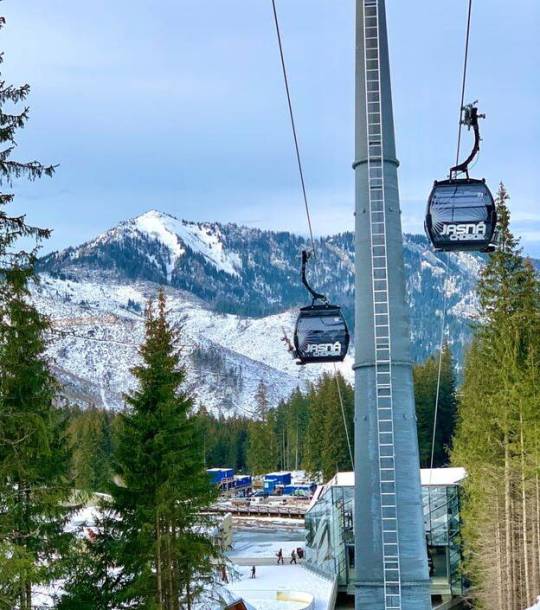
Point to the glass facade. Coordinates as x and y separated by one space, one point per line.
330 536
441 520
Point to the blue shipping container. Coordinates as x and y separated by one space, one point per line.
279 478
299 490
220 474
242 481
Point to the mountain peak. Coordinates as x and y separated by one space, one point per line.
154 213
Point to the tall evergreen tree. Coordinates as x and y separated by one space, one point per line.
14 227
262 450
34 486
32 459
162 548
498 423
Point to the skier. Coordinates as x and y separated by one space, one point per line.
293 557
252 571
280 556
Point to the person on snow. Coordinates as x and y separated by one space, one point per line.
293 557
280 557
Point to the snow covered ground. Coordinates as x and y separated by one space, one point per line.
260 591
267 549
262 543
265 543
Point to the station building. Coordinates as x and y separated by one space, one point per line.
330 532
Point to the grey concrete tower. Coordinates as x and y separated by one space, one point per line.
391 562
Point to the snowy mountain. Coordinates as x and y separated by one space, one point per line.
235 290
97 326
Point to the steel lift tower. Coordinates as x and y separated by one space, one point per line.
391 559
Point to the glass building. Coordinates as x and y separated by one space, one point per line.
330 533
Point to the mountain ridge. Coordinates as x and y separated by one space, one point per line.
239 288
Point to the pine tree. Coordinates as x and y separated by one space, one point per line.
425 391
326 444
496 437
262 450
336 438
14 227
31 456
90 441
95 580
34 486
162 548
316 424
291 424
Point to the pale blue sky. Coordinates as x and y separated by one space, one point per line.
179 105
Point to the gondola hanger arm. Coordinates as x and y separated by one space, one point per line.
317 296
470 116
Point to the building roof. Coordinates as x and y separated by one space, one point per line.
435 476
281 473
442 476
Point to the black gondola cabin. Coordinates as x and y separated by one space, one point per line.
461 215
321 334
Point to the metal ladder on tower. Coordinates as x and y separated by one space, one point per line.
383 348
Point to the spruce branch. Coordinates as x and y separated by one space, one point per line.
32 170
13 93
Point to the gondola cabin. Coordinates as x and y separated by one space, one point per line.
321 334
461 215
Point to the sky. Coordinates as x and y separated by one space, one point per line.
179 105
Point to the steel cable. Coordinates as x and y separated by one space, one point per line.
464 82
293 125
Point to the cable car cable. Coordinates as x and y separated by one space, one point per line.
464 82
461 214
439 374
343 415
293 125
305 255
